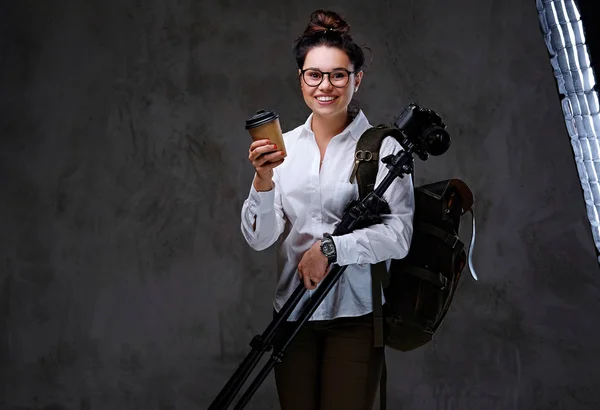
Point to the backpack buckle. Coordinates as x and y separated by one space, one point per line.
360 156
443 282
363 155
454 242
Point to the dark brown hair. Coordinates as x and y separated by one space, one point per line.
327 28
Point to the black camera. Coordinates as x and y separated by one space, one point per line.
424 130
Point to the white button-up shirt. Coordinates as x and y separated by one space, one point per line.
307 201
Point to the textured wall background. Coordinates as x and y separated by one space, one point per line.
125 282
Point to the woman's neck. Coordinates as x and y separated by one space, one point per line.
325 128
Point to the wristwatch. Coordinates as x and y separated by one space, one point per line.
328 248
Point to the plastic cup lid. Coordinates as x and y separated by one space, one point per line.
261 117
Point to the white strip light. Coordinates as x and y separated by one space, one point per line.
563 32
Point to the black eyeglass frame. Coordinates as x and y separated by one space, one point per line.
328 74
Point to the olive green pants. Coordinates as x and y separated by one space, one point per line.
331 365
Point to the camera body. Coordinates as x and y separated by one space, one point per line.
424 130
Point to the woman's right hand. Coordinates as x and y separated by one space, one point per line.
264 156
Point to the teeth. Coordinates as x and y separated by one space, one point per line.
325 98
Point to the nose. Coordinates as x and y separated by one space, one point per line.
328 84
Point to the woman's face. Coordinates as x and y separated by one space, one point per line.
325 99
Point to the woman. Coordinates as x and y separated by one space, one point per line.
332 362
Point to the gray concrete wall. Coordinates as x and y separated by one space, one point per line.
124 280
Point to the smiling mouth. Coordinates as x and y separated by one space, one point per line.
326 99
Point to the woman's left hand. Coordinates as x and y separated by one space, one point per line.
313 266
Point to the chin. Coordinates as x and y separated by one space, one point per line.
331 111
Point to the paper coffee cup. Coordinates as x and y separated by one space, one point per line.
265 125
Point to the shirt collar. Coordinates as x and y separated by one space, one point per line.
355 129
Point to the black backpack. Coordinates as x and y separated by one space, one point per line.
420 287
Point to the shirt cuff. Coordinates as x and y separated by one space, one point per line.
346 254
263 201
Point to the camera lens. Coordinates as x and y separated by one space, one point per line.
436 141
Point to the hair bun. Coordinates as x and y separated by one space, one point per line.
323 20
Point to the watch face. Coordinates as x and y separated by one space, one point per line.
327 248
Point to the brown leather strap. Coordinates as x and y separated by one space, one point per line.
368 164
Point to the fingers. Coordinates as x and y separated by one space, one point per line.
308 282
258 148
264 156
270 160
259 143
262 151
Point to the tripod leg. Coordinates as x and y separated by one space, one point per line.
227 394
278 352
258 381
260 345
309 308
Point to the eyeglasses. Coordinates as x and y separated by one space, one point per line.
338 77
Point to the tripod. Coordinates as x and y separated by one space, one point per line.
356 216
